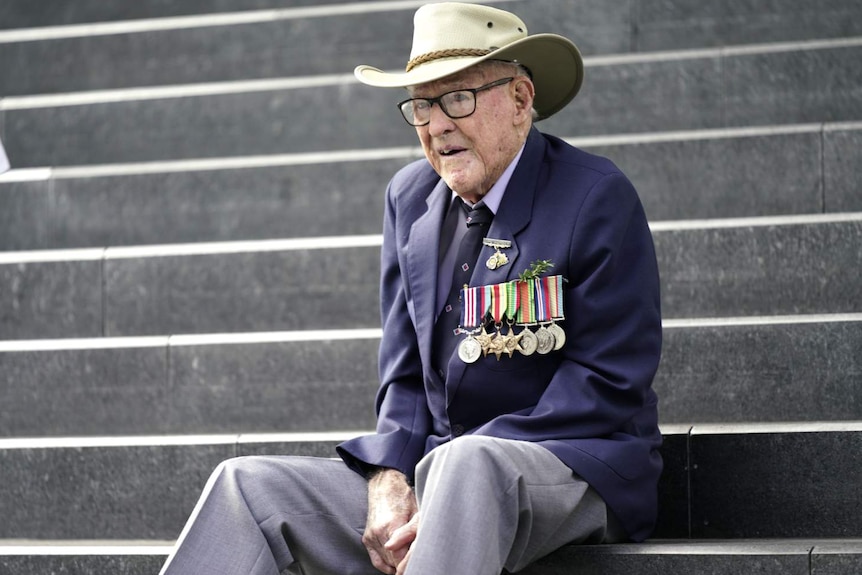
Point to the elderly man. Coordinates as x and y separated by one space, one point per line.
521 334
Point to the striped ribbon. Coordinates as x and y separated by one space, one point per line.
554 289
527 311
513 297
540 289
499 300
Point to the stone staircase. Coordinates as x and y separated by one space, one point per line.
173 294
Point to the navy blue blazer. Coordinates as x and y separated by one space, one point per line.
590 403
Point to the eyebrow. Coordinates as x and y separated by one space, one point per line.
444 88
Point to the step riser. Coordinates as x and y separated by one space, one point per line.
805 485
758 89
706 179
608 560
784 558
263 49
670 25
767 270
114 493
842 157
270 387
82 564
739 487
761 270
25 14
761 373
707 374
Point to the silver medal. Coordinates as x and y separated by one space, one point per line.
529 342
545 339
469 350
559 336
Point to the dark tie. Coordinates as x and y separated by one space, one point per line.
478 221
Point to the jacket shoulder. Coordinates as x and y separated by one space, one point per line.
416 178
561 153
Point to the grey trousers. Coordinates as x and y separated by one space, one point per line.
485 504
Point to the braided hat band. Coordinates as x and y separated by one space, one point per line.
440 54
449 37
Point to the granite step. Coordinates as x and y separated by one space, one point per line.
15 14
709 268
721 482
282 40
769 369
812 168
769 557
719 88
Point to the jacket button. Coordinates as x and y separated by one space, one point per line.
457 430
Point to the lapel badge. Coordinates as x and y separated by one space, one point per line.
498 259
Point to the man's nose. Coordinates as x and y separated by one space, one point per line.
439 122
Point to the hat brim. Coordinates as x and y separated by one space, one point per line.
554 62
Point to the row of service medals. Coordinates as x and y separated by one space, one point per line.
525 303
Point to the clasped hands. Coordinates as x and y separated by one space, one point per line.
393 520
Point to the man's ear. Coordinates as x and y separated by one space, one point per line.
525 92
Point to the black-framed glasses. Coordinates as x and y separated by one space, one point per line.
455 104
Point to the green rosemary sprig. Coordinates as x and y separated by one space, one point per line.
536 269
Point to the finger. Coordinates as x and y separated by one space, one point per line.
402 566
379 563
401 537
380 557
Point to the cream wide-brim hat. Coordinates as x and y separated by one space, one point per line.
449 37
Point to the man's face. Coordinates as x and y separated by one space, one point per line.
471 153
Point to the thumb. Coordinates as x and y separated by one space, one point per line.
404 535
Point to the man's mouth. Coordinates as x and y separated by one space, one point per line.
446 152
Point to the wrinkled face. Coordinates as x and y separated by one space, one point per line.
471 153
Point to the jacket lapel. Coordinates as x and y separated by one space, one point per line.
423 248
513 215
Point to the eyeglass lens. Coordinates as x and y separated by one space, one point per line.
455 104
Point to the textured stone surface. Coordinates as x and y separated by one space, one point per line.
837 558
764 270
348 116
739 486
842 166
661 559
116 493
651 558
50 299
676 180
263 387
305 386
643 97
103 493
724 177
25 14
793 87
219 205
279 48
776 485
674 24
81 564
85 392
255 291
658 95
25 215
794 372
